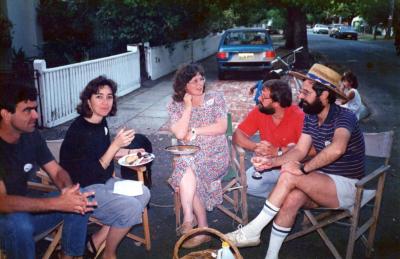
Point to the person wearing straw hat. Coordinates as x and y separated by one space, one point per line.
326 180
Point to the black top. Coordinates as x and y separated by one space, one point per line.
81 149
18 161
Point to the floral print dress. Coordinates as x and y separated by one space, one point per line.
210 163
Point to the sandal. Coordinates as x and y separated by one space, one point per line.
89 243
186 227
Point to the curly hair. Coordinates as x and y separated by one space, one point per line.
183 75
92 88
280 91
351 78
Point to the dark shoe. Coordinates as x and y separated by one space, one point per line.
89 243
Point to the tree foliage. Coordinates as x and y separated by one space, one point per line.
5 32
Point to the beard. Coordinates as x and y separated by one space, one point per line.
311 108
268 110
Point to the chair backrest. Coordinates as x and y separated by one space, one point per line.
229 129
379 144
55 146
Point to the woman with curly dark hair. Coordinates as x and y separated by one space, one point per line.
87 153
198 118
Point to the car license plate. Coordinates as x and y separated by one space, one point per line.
349 36
245 56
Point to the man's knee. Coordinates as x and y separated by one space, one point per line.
287 179
294 200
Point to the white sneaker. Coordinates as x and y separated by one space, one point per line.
239 239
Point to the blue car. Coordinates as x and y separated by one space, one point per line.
245 49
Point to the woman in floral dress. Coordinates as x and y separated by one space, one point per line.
198 118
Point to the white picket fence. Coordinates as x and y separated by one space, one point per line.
59 87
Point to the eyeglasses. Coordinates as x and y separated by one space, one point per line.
197 80
304 92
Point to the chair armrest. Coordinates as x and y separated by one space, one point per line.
44 177
375 174
41 187
239 150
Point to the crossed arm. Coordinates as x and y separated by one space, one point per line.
181 128
290 161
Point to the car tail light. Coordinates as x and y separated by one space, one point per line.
222 55
270 54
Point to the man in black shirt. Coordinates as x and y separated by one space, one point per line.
21 150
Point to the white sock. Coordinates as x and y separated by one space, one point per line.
278 235
255 227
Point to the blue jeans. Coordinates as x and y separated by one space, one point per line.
18 229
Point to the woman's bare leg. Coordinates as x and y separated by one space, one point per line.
114 237
187 189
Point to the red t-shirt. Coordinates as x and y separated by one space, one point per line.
288 131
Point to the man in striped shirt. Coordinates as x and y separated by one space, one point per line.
326 180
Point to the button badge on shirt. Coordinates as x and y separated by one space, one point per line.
210 102
28 167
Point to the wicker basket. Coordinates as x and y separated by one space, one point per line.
204 254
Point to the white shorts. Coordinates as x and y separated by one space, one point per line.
345 190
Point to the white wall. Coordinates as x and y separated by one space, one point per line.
161 60
26 31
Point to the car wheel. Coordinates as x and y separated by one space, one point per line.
221 75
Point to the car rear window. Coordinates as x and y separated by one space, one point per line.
246 38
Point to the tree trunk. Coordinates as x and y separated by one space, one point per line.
289 31
296 36
396 26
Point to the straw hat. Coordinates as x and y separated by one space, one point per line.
324 75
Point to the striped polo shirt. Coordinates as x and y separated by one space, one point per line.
352 163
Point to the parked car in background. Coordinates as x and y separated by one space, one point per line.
333 28
244 49
345 32
320 28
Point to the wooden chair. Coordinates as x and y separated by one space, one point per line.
55 146
53 233
234 185
377 145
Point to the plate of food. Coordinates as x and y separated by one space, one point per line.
136 159
183 149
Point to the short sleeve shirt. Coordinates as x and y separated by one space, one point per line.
288 131
18 161
352 163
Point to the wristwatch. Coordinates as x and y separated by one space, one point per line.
194 135
302 168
